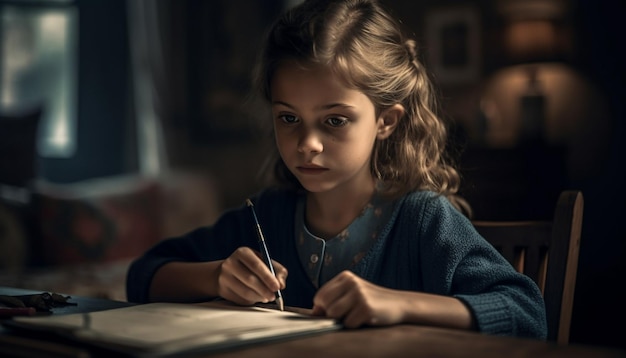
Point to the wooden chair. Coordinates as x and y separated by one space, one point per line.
546 251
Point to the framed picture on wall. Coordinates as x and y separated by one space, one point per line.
453 44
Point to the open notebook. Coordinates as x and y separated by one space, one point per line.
162 329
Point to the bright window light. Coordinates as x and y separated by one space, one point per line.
38 68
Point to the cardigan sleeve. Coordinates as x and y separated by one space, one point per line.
210 243
502 300
233 229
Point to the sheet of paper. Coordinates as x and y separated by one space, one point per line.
169 327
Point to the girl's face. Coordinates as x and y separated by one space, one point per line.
324 131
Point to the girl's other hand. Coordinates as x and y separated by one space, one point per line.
245 279
358 302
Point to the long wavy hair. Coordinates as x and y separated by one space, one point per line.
366 47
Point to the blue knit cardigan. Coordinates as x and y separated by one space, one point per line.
427 246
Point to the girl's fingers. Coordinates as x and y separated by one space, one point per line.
349 308
246 275
250 281
281 274
356 317
233 295
239 293
329 298
352 300
255 263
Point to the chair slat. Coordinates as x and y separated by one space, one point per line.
547 252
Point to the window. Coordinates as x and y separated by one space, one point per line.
38 68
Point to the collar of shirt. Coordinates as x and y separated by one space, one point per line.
324 259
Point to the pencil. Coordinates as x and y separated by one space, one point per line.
265 253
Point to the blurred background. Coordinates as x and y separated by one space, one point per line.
123 122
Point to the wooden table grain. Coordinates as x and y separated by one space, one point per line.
416 341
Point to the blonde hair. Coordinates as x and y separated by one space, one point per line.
365 46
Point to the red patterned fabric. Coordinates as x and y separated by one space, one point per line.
99 229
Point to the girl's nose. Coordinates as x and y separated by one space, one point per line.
309 142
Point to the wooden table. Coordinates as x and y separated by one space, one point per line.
394 341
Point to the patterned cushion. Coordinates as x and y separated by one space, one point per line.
101 228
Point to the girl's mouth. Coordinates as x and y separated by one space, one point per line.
311 169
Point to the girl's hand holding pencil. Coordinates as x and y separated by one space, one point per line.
245 279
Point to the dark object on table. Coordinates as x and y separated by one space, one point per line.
42 302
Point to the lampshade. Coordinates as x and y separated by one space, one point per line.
535 30
531 40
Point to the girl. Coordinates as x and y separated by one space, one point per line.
364 228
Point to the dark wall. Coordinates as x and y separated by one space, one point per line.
599 306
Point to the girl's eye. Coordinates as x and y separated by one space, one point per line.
288 118
337 121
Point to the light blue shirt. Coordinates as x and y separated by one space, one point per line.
324 259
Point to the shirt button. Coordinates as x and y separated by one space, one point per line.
314 258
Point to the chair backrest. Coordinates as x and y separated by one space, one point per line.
546 251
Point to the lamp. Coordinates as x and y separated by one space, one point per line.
534 34
534 30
